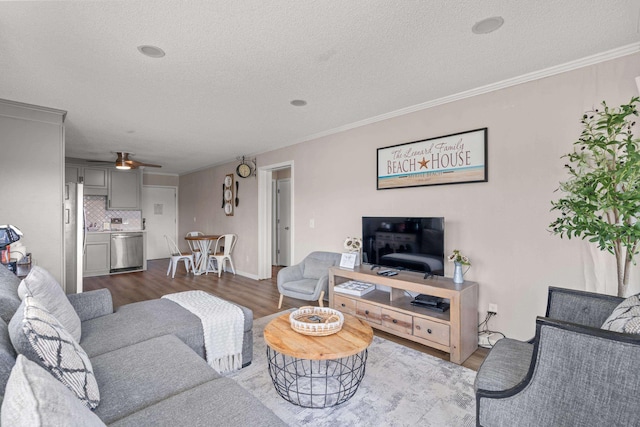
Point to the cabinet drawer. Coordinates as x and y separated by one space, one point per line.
369 312
432 331
345 305
397 321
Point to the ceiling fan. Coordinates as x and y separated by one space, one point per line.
124 162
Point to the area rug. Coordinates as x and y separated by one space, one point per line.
401 387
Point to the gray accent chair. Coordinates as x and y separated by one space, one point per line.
308 280
572 373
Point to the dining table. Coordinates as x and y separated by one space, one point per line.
203 244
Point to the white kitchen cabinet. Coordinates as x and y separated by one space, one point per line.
95 177
125 188
97 254
96 181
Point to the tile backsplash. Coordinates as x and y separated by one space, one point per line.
97 214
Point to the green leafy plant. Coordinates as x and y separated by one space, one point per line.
601 199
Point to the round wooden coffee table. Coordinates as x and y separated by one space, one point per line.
317 372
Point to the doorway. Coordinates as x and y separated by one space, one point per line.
281 229
269 209
159 212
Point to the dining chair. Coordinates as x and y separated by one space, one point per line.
193 246
177 256
222 253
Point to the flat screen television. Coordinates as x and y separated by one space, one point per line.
402 243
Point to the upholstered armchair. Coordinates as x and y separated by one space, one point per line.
308 280
572 373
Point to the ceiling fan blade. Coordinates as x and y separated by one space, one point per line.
123 160
134 164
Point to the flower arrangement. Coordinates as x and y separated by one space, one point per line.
456 256
353 244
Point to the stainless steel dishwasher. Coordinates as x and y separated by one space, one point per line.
126 251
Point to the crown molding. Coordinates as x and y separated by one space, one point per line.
535 75
144 172
20 110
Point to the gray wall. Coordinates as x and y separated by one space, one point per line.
31 179
160 179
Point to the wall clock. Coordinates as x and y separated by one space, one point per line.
228 195
245 168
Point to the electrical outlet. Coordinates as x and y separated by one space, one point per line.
493 308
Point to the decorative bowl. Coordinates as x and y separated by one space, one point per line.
316 321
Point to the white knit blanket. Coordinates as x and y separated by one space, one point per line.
223 326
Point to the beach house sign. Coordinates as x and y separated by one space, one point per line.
451 159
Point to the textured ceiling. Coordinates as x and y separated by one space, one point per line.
232 66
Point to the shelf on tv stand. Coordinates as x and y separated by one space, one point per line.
453 331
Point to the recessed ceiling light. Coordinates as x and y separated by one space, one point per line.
488 25
298 102
151 51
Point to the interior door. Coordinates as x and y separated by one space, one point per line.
284 221
159 210
274 222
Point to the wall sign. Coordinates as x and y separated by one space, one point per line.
451 159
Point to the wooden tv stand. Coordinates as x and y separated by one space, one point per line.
455 331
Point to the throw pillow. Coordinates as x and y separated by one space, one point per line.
7 356
9 300
40 284
59 352
625 317
19 338
315 269
34 398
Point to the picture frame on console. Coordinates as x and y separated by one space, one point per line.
451 159
348 260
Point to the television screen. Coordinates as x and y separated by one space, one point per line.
415 244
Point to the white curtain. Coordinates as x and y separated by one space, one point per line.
600 274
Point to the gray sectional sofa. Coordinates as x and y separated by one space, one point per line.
147 359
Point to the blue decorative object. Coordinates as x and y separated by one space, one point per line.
8 235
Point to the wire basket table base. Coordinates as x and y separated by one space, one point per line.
316 383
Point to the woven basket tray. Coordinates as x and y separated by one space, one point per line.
316 321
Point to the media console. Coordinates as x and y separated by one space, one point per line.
454 331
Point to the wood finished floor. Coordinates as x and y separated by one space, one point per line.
260 296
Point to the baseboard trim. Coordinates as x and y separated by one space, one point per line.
247 275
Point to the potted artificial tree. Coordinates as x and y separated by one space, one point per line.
601 200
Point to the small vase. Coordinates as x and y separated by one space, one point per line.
358 258
458 276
